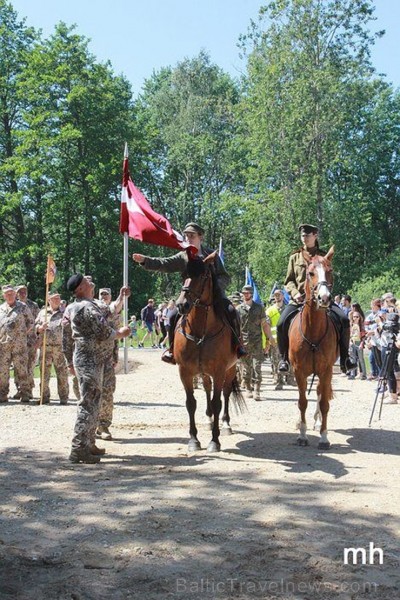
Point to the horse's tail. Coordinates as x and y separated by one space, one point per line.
238 399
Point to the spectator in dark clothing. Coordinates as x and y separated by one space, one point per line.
147 314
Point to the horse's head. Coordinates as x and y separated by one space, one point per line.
197 288
320 278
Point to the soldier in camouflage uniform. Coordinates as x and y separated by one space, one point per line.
86 341
16 321
253 322
112 312
22 296
50 320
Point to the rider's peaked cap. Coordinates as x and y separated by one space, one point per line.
307 228
193 228
248 288
74 281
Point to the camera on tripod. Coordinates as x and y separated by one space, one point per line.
392 325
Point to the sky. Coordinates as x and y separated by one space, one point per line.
141 36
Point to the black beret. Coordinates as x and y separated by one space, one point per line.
74 281
306 228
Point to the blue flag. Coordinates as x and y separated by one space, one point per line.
221 252
250 281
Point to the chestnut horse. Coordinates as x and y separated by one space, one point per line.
313 344
203 345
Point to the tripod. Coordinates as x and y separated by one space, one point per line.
387 368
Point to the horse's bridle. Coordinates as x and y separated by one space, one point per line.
196 302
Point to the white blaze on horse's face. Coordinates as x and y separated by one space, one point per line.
323 291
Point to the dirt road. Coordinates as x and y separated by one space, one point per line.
263 518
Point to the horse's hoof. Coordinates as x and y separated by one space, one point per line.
302 442
226 430
324 446
213 447
194 446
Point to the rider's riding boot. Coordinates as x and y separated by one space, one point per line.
168 356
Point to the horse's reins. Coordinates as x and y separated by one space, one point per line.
197 304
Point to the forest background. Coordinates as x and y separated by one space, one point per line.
310 133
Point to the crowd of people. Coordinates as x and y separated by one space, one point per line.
81 339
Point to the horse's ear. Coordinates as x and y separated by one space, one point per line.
211 257
330 253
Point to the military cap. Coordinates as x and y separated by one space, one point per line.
21 287
74 281
248 288
7 288
193 228
104 291
54 294
307 228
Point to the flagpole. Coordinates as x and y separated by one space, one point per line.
44 332
125 282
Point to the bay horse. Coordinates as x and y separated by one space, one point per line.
313 344
203 346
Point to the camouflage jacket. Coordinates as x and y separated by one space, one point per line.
251 318
54 326
295 281
86 333
178 264
15 322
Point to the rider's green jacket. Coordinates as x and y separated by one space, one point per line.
295 281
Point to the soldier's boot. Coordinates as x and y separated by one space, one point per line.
83 455
3 400
63 401
17 396
103 433
168 356
97 451
256 394
25 399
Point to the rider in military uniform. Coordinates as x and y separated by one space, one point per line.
295 284
178 263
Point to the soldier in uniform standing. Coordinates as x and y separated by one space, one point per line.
295 283
112 312
86 340
16 321
253 323
22 296
50 320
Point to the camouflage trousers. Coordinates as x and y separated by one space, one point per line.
16 354
275 358
252 365
90 379
54 356
107 395
30 367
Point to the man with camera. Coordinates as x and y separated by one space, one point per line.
390 345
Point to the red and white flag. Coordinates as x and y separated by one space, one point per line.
140 222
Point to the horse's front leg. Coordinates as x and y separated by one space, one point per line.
323 402
302 439
187 380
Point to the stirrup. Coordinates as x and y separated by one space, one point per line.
283 366
347 365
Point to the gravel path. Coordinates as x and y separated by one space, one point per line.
263 518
